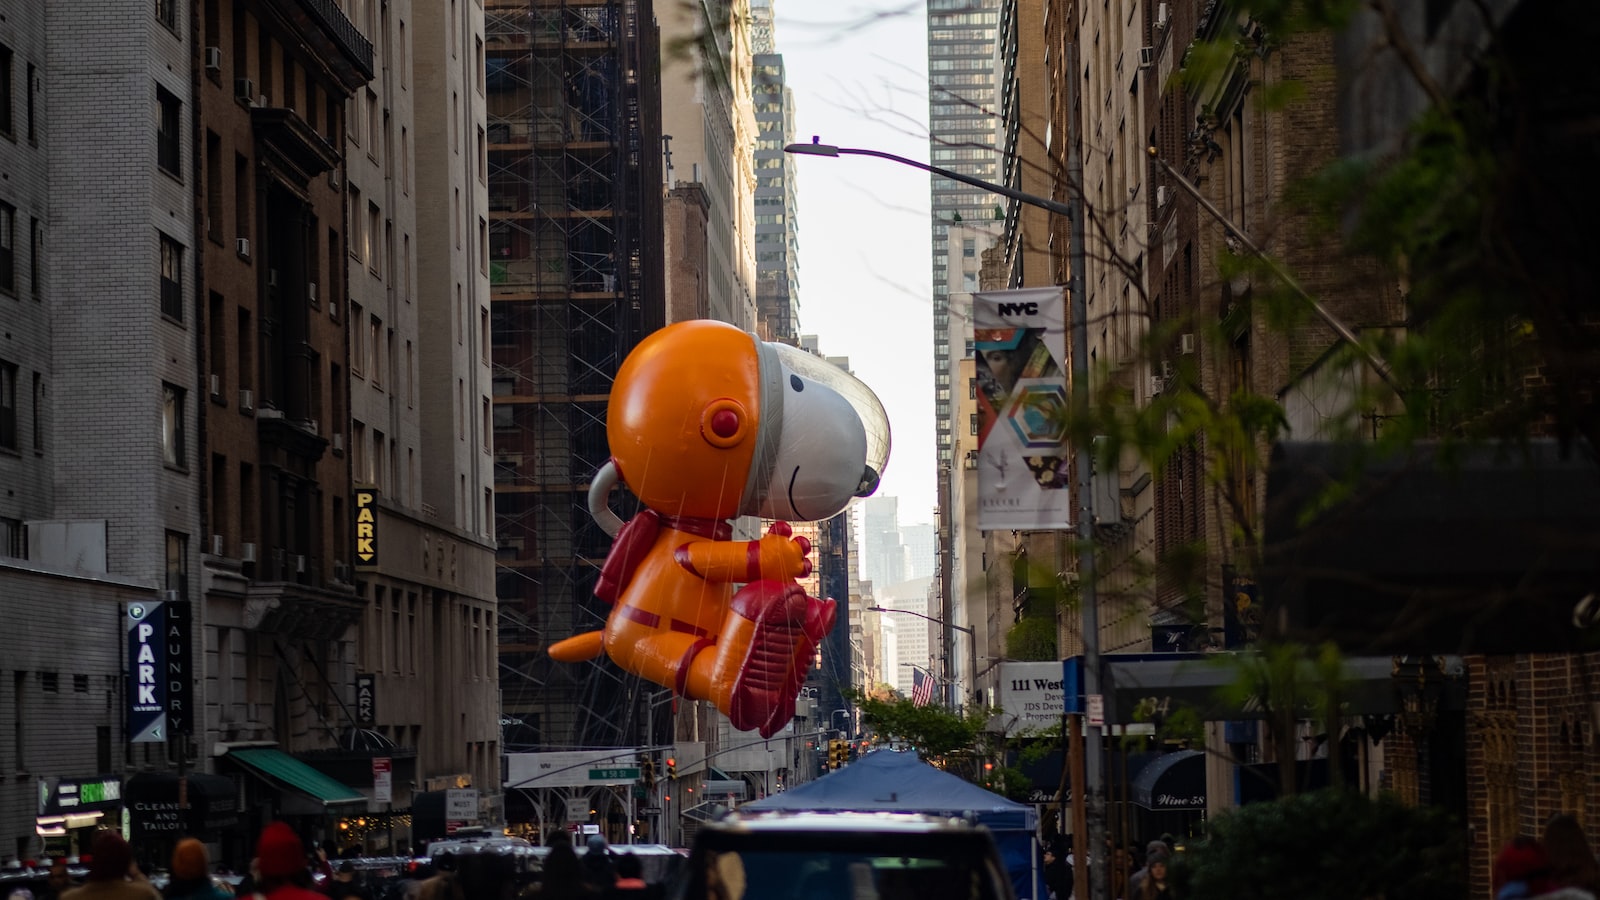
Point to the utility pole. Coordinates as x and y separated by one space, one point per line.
1093 758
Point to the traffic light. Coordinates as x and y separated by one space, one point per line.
836 753
672 769
647 771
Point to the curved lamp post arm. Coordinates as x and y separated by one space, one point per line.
817 148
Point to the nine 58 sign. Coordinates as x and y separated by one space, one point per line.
160 679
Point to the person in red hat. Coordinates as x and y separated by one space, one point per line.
112 874
281 863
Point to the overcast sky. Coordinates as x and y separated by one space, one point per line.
858 70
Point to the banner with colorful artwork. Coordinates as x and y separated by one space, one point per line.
1024 469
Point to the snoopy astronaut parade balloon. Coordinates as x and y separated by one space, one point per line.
707 423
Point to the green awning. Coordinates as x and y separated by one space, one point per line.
282 769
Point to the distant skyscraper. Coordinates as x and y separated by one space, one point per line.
961 135
883 559
921 550
776 235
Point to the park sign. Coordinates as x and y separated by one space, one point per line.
366 530
159 676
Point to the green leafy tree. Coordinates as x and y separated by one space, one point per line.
1325 845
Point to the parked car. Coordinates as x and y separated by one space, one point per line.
850 856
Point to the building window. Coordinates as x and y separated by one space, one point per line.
178 564
28 88
35 259
13 538
358 353
172 433
171 278
5 89
167 112
167 13
8 247
38 412
8 405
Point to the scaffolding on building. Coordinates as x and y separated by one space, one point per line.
576 277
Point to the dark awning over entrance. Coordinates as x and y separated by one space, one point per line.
1174 781
284 771
165 804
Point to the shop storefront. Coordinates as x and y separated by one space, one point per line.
71 810
164 807
279 786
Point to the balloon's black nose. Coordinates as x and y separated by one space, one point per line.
869 482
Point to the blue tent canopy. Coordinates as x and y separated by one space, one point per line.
892 781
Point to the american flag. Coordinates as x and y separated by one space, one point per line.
921 688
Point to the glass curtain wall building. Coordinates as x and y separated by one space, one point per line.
961 136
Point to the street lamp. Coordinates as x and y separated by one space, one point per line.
972 643
848 729
817 148
1094 827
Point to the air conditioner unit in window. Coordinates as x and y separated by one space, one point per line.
245 89
247 400
213 59
1186 343
216 386
272 278
1163 16
341 572
247 552
311 292
242 245
1157 385
300 563
1147 57
1162 195
338 442
216 545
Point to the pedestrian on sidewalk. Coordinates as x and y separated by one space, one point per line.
112 873
191 874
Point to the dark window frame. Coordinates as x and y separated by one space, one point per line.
169 118
171 259
174 436
8 406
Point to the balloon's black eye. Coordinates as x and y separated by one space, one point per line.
796 383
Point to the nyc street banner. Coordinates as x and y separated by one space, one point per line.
1023 466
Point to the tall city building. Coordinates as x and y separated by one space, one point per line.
709 127
961 138
921 546
883 557
915 640
261 600
575 281
965 553
776 206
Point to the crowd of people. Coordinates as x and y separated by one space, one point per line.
1558 865
283 869
1147 881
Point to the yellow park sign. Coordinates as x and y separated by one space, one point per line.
366 511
